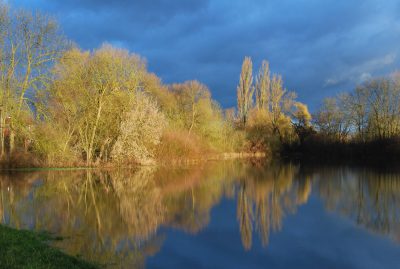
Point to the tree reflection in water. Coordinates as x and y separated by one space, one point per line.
114 217
271 193
371 198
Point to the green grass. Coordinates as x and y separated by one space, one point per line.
27 249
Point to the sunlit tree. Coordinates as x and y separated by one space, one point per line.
140 131
245 90
262 88
30 44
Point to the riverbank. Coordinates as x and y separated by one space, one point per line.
28 164
27 249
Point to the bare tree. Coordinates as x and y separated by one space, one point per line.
331 119
30 44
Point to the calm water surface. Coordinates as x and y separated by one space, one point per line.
216 215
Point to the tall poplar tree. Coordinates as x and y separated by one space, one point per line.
263 82
245 90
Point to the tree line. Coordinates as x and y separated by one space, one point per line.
61 105
361 125
64 106
371 111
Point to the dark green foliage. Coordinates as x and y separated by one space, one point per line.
26 249
318 148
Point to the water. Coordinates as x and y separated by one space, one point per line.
216 215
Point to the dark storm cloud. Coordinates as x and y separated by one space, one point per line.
320 47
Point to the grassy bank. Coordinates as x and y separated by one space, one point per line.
26 249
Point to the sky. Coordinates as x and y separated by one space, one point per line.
320 47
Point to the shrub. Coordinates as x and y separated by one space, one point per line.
140 132
178 145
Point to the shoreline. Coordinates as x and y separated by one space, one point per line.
213 157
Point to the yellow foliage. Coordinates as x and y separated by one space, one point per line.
301 114
180 145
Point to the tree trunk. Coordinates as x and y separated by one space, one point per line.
93 135
2 144
12 141
193 117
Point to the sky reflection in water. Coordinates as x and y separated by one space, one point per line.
217 215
